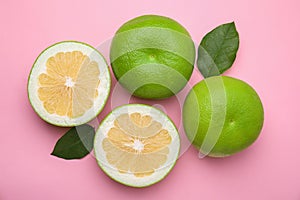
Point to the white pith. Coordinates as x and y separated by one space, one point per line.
69 82
138 145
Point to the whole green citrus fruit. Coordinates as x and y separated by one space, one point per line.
222 116
152 56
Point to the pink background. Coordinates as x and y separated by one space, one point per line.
267 59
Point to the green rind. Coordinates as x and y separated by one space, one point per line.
183 62
69 125
153 21
134 186
234 128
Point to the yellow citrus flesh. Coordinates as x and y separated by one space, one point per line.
137 144
69 85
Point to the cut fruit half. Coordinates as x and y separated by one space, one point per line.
137 145
69 84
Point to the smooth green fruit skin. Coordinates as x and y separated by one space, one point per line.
243 120
144 64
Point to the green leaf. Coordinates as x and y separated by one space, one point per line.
76 143
217 50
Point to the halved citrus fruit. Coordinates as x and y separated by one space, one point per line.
137 145
69 83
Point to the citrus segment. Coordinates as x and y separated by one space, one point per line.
143 127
